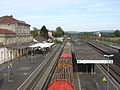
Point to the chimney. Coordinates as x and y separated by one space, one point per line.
11 16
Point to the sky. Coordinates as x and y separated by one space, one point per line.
70 15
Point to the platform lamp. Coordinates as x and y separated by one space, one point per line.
108 56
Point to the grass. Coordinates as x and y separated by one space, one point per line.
107 43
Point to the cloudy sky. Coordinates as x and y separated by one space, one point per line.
74 15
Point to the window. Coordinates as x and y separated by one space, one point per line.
2 56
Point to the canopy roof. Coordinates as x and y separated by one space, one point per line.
15 46
42 45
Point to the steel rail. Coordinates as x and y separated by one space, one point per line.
113 72
30 80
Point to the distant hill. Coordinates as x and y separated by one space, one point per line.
104 31
72 32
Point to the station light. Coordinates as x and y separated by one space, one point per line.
109 55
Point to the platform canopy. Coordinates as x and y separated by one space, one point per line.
94 61
115 47
42 45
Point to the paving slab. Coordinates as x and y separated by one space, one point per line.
11 79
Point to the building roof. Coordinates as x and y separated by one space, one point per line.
42 45
5 31
10 19
40 39
16 46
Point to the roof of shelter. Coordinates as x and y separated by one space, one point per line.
42 45
40 39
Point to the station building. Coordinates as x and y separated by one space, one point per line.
15 36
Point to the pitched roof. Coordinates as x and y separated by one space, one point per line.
40 39
10 19
6 31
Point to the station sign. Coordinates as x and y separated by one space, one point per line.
94 61
10 66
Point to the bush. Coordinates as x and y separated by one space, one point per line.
57 42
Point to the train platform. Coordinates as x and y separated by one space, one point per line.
22 68
117 47
85 52
96 79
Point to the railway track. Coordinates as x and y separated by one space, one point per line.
42 72
62 77
114 68
110 50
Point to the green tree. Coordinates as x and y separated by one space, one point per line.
44 32
34 32
54 34
59 32
117 33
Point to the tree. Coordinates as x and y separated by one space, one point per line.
44 32
59 32
54 34
117 33
34 32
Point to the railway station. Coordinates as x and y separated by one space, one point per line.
60 45
70 66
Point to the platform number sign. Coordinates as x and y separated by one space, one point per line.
10 66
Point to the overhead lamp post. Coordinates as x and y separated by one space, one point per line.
108 56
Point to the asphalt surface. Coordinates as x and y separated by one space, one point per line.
22 68
85 52
95 81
